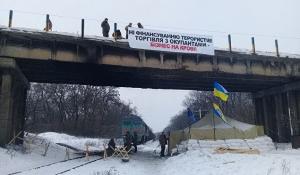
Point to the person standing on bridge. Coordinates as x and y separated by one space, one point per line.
140 25
117 35
48 25
105 27
126 29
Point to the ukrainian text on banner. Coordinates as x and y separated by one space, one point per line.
170 42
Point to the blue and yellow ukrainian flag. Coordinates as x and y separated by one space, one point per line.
218 112
191 115
220 91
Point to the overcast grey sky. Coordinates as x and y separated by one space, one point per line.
265 19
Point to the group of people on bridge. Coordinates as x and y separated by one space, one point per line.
105 29
117 34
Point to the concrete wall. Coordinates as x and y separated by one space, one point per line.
278 110
13 87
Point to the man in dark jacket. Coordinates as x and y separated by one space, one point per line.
140 25
49 24
111 147
128 140
105 27
135 141
162 142
126 29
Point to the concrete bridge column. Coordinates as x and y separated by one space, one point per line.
294 110
13 88
278 110
272 113
259 111
294 116
269 114
282 118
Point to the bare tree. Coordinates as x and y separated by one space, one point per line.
76 109
239 106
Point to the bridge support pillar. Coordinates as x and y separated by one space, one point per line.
272 113
279 112
13 88
294 110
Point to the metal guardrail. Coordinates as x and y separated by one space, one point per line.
82 32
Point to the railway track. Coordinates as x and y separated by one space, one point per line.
78 166
59 166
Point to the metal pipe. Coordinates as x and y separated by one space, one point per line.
10 18
277 49
115 27
47 22
229 43
82 28
253 45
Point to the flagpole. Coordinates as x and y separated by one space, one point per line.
244 138
191 117
189 131
214 126
289 114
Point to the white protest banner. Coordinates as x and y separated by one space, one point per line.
170 42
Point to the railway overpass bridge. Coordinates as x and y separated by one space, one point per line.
50 57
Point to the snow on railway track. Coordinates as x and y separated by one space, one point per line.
58 167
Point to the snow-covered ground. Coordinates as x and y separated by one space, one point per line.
199 159
263 144
77 142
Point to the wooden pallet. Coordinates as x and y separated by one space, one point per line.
222 150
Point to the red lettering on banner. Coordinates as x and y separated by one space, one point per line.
176 47
188 48
173 46
160 45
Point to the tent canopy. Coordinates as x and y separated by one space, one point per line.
207 123
204 130
233 129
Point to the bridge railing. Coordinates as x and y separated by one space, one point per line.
251 43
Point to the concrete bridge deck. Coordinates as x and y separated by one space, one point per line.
50 57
